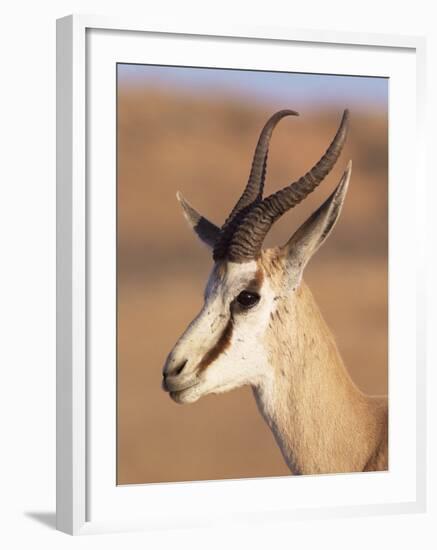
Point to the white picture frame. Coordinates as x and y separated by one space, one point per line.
87 501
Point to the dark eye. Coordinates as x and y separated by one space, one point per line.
248 299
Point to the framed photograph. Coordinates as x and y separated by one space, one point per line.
240 331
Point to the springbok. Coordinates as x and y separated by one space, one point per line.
260 326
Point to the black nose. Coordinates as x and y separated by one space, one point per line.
175 371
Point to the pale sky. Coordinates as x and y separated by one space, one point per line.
263 86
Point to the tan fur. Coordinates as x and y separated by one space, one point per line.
321 421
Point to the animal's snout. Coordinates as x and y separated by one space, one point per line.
172 379
174 369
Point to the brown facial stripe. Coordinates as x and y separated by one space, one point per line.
222 343
258 279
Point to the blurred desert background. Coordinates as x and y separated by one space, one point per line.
196 132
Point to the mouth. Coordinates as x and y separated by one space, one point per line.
177 387
181 391
184 396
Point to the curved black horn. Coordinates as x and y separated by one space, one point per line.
254 189
252 226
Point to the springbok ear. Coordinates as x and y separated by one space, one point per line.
311 234
204 229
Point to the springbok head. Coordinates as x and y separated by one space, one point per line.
227 344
